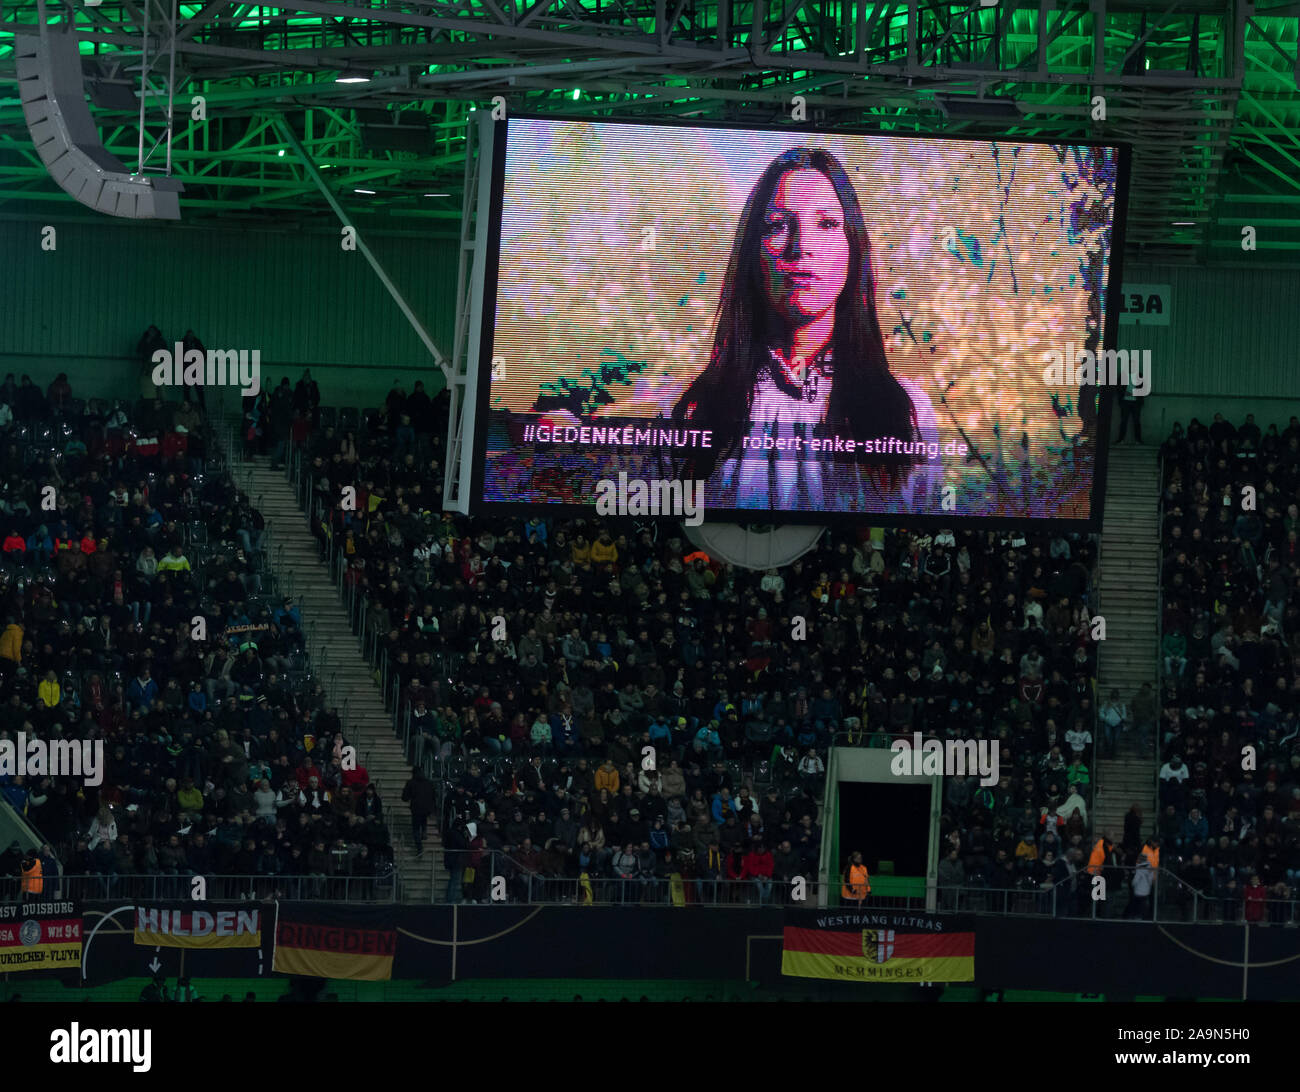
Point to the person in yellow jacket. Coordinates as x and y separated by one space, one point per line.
49 691
603 550
11 642
1151 851
607 778
32 884
857 882
174 561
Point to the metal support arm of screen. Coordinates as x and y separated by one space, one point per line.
313 172
463 380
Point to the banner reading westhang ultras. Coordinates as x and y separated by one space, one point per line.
351 942
40 936
878 946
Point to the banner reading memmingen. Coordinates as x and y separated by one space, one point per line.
878 945
40 936
356 942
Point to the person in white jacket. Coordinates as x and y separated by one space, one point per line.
1114 717
103 829
1074 800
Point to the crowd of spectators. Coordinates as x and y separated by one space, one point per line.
1230 756
546 664
137 613
603 701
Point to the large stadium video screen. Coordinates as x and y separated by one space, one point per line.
787 326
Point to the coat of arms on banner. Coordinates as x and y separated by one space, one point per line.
878 944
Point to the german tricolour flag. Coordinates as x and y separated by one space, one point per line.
878 946
356 942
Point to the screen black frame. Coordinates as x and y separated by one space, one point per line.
477 506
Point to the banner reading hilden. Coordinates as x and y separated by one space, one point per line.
40 936
878 946
356 942
212 927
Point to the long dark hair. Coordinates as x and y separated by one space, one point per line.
866 401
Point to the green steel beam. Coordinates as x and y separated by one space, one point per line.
670 58
287 134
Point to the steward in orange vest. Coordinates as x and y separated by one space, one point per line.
857 884
32 885
1100 855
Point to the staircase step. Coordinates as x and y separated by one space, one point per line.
1129 597
338 663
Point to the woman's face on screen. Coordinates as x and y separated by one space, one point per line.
805 249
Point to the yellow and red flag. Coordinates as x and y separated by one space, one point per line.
878 946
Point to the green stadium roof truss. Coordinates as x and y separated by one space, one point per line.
1204 90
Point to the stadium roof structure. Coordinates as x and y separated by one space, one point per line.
370 101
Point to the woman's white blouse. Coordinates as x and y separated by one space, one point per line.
789 475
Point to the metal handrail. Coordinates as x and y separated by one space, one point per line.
237 888
1160 626
1073 898
356 603
337 566
1094 596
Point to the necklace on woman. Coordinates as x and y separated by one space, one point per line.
804 376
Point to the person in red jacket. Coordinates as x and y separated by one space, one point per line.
758 867
176 443
1254 900
300 430
475 878
471 570
735 873
15 552
356 778
760 628
306 771
843 588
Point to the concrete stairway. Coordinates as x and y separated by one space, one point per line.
1128 590
337 662
1121 783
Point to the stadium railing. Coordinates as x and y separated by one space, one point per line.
1172 900
1095 726
518 885
219 888
1157 731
